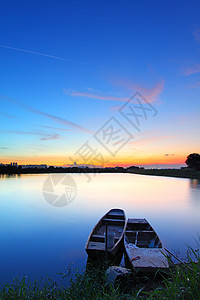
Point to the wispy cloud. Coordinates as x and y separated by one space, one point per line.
195 85
4 148
43 136
46 55
50 116
60 120
115 108
50 137
98 96
196 34
7 115
193 68
56 128
152 94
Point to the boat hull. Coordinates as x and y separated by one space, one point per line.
143 247
97 246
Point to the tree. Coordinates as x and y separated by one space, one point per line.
193 161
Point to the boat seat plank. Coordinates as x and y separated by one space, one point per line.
114 220
143 231
102 237
98 236
115 216
115 212
136 221
96 246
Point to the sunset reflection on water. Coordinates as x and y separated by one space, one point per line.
38 238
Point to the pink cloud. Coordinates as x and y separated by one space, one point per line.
152 94
115 108
193 69
196 34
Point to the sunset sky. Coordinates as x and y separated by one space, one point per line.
67 68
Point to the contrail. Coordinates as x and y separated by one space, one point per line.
47 55
52 117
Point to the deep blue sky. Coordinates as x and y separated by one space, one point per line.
102 51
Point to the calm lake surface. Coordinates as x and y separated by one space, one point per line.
38 238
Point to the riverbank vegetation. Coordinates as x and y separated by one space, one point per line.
191 171
181 173
181 282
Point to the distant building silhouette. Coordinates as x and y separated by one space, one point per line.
34 166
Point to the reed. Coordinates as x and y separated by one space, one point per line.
181 282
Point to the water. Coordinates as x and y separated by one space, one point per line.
37 238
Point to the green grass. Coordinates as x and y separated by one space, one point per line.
181 282
83 285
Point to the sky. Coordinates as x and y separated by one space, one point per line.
108 83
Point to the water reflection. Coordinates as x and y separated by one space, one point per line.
194 192
195 183
39 239
5 176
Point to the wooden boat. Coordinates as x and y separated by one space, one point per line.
112 225
143 247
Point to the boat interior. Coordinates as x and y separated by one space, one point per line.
115 222
140 233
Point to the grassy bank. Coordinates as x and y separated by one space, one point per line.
182 173
182 282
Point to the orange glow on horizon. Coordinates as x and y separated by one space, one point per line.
113 162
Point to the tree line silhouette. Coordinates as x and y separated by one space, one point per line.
193 161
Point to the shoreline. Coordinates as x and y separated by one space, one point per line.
177 173
181 279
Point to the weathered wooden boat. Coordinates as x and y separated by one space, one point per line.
107 237
143 247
